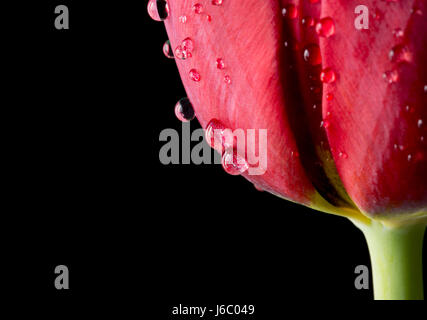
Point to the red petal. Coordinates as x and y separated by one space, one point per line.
249 38
377 144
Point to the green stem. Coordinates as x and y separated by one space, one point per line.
396 259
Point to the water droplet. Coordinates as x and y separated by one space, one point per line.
295 154
400 53
187 44
420 123
293 44
184 110
422 138
217 2
398 33
182 54
343 155
258 188
410 109
178 53
307 21
377 14
227 79
325 123
218 136
220 64
194 75
182 19
158 9
391 76
167 50
329 96
314 106
184 51
198 8
315 89
208 18
416 11
233 163
325 27
327 75
409 157
425 88
290 11
312 54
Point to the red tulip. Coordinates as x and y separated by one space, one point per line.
345 109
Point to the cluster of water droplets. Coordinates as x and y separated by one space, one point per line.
220 65
400 53
317 76
410 148
221 138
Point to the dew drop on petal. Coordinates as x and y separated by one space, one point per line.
182 53
420 123
410 109
258 188
158 9
329 96
184 110
218 136
167 50
327 75
217 2
326 124
325 27
295 154
398 33
194 75
178 53
233 163
417 11
307 21
187 44
400 53
227 79
198 8
182 19
312 54
425 88
391 76
290 11
220 64
409 157
208 18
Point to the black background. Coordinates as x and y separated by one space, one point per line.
85 108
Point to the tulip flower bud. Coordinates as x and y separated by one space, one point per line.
343 107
